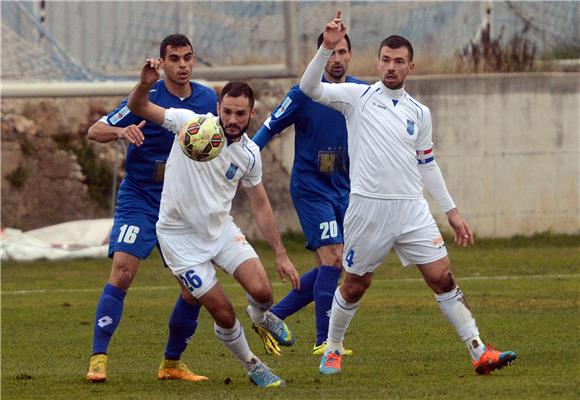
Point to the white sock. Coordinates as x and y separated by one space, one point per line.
455 308
235 340
341 314
256 309
476 347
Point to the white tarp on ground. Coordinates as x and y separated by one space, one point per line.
76 239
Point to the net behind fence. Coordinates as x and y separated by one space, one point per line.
45 41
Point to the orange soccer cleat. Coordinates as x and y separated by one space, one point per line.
175 369
492 359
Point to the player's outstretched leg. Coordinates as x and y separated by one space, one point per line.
492 359
182 326
108 315
297 299
272 324
235 340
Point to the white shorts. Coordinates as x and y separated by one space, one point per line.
190 256
373 226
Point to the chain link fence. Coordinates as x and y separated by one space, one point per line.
76 40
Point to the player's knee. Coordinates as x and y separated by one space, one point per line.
444 282
353 290
331 256
224 316
122 276
262 295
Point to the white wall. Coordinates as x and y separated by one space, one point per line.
508 146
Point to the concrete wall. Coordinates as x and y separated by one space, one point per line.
508 146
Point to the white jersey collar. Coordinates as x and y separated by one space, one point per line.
393 93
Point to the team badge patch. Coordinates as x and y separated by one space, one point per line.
119 115
410 127
231 172
287 101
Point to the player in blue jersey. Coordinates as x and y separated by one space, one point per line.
133 236
319 186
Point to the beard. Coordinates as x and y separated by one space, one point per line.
234 136
336 74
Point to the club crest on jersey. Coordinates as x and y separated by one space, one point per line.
120 115
231 172
410 127
287 101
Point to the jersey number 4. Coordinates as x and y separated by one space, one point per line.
128 234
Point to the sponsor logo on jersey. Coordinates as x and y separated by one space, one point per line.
379 105
120 115
231 172
287 101
410 127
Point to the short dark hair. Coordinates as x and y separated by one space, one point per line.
321 39
396 42
237 89
174 40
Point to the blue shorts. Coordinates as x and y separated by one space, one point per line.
321 219
136 214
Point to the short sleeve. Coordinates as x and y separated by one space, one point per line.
253 175
175 118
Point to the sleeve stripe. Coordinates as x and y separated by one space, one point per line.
426 160
424 152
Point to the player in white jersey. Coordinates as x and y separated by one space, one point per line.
195 228
391 160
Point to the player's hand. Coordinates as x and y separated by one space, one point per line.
334 32
286 269
150 71
270 344
461 229
133 134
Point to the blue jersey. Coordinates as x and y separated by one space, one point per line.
137 208
145 165
320 148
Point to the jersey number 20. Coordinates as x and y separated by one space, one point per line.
329 229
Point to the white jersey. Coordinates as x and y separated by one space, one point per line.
197 196
389 134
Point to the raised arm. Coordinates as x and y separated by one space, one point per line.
139 98
262 211
334 32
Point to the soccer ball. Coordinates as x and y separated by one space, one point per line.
202 138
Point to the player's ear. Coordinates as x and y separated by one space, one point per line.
411 66
252 112
161 63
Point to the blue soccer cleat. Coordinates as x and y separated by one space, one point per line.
263 377
276 327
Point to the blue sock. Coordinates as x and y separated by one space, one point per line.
324 289
297 299
182 325
109 311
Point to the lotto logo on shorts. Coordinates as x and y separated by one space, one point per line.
240 239
438 242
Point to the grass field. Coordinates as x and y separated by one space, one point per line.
524 292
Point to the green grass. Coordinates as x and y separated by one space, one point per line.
403 346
